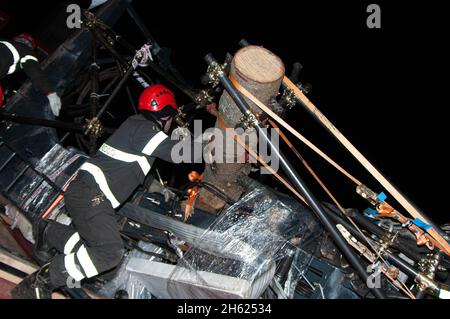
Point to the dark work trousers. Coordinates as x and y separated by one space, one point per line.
92 244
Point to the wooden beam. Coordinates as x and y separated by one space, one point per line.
17 262
10 277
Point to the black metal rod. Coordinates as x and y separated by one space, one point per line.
402 265
93 98
163 54
417 209
244 43
421 294
7 161
399 243
116 90
391 257
300 185
164 61
155 67
130 98
47 123
65 137
93 72
133 14
40 122
378 232
18 176
30 165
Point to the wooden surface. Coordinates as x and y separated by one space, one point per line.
260 72
17 262
7 240
257 64
5 287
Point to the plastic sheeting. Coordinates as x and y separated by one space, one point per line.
129 281
59 165
248 239
20 222
236 257
313 278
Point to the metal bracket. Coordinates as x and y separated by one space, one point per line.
94 127
366 193
214 72
288 98
142 56
305 88
249 120
203 98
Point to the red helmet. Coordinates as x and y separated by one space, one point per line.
159 100
26 39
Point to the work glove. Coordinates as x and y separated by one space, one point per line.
181 133
168 194
55 103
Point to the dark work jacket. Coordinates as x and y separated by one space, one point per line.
15 56
123 161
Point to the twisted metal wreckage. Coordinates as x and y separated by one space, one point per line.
245 240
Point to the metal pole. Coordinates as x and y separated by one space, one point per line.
244 43
183 87
48 123
93 98
299 184
40 122
379 232
133 14
115 91
113 94
417 209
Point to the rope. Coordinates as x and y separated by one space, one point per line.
267 110
336 202
365 162
444 244
292 189
259 159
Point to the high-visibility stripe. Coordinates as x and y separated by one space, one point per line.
72 268
15 54
70 244
126 157
444 294
154 143
86 262
100 179
26 58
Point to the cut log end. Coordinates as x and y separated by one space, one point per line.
258 64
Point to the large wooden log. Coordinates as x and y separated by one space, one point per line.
260 72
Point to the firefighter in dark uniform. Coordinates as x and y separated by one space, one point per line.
93 244
19 55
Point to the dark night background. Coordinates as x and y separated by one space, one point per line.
385 89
